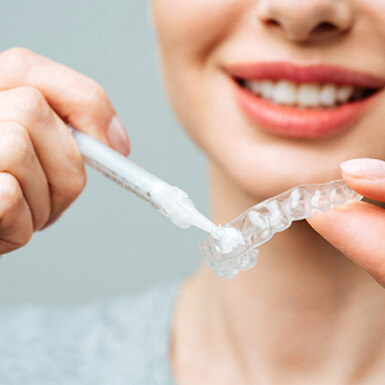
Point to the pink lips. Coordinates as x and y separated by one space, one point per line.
297 122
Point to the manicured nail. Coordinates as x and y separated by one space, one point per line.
364 168
118 137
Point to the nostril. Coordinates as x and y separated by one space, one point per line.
272 23
324 27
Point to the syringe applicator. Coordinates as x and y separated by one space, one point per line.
169 200
230 248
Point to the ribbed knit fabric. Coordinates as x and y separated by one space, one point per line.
121 342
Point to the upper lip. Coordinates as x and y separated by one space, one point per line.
318 73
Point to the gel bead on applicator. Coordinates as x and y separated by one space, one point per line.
233 248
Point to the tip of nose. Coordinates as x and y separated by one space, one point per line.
307 33
307 21
299 32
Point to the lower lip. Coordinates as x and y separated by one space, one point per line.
299 123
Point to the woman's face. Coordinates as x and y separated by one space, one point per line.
276 92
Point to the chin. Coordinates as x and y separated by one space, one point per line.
271 179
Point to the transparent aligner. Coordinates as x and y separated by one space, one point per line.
258 224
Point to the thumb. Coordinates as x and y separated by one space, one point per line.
358 229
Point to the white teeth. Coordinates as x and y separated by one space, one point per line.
328 95
285 93
344 93
255 86
267 89
308 95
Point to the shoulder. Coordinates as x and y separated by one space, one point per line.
115 342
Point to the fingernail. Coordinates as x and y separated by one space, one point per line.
118 137
364 168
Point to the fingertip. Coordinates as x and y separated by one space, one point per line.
364 168
365 176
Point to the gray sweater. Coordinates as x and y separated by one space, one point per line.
122 342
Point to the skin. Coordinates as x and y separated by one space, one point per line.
41 168
310 312
307 313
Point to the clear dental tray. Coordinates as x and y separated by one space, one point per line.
258 224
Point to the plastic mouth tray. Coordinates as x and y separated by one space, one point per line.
259 223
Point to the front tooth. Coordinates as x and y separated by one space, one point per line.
285 93
267 89
308 95
254 86
344 93
328 95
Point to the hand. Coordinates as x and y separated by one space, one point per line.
358 229
41 169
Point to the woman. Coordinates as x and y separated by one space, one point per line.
277 93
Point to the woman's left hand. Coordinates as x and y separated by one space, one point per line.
358 229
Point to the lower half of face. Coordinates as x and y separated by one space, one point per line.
276 97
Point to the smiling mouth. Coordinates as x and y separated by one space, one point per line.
303 102
307 95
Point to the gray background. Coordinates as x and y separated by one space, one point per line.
109 243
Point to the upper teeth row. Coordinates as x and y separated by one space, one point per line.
303 95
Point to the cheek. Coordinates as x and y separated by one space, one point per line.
189 34
193 27
374 10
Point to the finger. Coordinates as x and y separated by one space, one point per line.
16 225
54 145
78 99
358 231
18 158
366 176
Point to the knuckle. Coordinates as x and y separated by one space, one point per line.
78 183
10 193
17 58
15 144
19 52
74 183
33 105
12 198
24 237
94 94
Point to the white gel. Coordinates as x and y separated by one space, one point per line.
229 238
179 208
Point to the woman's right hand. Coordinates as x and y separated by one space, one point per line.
41 168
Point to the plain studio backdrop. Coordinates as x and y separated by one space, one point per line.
109 243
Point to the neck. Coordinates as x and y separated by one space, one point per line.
302 308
